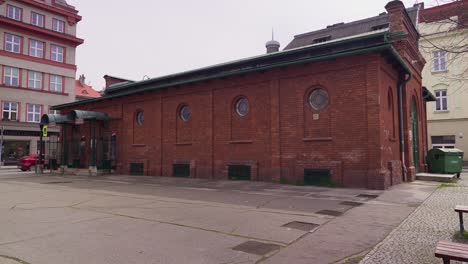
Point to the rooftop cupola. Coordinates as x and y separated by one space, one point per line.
272 45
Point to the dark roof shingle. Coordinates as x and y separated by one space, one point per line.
342 30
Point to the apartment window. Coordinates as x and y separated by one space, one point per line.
58 25
443 141
14 12
33 113
56 53
11 76
10 111
53 112
13 43
35 80
56 83
36 48
441 100
37 19
440 60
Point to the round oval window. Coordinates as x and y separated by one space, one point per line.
140 118
242 107
318 99
185 113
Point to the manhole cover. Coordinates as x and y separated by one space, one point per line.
370 196
301 225
350 203
329 212
257 248
57 182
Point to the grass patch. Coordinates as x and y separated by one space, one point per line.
354 260
459 237
447 185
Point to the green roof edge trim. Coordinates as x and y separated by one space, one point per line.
269 55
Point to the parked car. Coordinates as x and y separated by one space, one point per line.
26 162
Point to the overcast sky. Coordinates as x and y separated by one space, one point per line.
131 39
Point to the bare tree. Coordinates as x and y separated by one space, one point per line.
448 31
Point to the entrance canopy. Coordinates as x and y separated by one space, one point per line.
58 119
72 116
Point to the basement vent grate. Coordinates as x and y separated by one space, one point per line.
329 212
257 248
239 172
350 203
370 196
57 182
301 225
181 170
136 169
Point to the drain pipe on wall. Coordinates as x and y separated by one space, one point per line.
401 84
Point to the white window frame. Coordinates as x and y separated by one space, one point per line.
10 110
58 25
445 144
13 43
439 98
35 80
14 12
57 53
36 48
56 83
33 113
439 60
37 19
11 76
53 112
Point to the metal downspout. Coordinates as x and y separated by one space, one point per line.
401 85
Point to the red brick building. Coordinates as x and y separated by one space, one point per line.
343 104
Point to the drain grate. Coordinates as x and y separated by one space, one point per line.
350 203
329 212
57 182
370 196
257 248
301 225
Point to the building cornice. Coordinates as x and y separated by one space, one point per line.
70 13
40 32
38 60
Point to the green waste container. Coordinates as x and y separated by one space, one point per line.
445 161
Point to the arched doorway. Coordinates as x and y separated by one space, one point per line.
415 133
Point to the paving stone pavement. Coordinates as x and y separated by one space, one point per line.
415 239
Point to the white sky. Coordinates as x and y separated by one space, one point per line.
131 39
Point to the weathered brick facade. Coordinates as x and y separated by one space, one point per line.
356 136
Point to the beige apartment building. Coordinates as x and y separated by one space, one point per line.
37 66
443 38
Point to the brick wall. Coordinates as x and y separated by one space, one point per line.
355 136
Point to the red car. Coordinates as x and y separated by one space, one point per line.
26 162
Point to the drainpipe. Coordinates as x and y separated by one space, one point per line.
401 85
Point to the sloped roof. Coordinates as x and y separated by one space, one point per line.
83 90
342 30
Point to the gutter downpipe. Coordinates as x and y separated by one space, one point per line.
401 84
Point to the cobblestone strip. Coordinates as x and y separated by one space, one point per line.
415 239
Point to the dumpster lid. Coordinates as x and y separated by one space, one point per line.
447 150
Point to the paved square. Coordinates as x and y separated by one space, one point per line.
121 219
